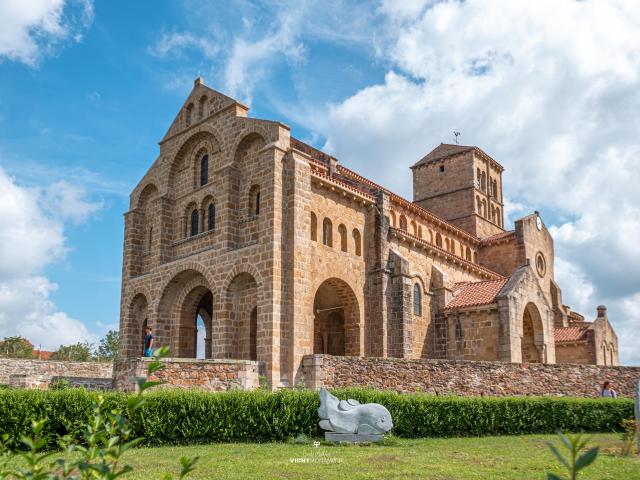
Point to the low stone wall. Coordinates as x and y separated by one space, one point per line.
466 378
210 375
39 373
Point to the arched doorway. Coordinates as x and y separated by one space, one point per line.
186 302
336 325
194 320
237 331
532 341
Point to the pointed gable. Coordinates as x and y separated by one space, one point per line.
442 151
201 103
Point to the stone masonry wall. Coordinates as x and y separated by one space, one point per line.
466 378
39 373
210 375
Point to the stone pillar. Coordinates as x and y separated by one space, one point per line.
298 297
312 367
400 314
378 280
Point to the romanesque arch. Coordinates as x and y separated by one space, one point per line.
336 314
186 162
133 327
532 341
236 331
178 307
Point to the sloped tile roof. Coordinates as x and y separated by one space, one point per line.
442 151
497 237
571 334
475 293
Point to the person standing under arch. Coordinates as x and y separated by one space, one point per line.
148 343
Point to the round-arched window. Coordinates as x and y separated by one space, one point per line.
541 264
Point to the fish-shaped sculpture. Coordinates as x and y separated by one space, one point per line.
350 416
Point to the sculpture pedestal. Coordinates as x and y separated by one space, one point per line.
351 437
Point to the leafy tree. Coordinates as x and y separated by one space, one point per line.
79 352
109 344
16 347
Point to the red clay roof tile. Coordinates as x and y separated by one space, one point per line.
475 293
571 334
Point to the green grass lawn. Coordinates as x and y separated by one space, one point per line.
522 457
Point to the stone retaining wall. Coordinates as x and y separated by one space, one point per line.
39 373
211 375
465 377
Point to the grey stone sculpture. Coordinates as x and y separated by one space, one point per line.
351 421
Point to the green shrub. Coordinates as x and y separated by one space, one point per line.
178 416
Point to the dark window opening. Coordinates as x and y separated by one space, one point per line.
194 223
204 170
211 217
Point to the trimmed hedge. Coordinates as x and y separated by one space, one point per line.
179 416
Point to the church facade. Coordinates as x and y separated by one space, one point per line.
280 251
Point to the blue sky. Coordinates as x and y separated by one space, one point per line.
87 89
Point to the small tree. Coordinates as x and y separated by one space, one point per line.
79 352
16 347
109 345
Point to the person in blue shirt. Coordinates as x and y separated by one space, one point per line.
148 343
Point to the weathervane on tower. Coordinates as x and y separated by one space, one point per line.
456 134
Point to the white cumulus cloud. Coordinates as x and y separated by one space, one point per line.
549 89
32 222
31 29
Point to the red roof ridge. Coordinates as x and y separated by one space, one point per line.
420 210
450 255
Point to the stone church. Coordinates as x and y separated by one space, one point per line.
280 251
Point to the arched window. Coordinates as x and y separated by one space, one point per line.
479 205
194 223
468 254
495 189
483 182
438 240
478 175
314 227
254 201
430 237
447 244
342 231
417 300
475 257
453 246
498 217
204 170
211 217
393 218
414 228
327 232
201 106
187 114
149 240
484 208
357 240
403 223
419 231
